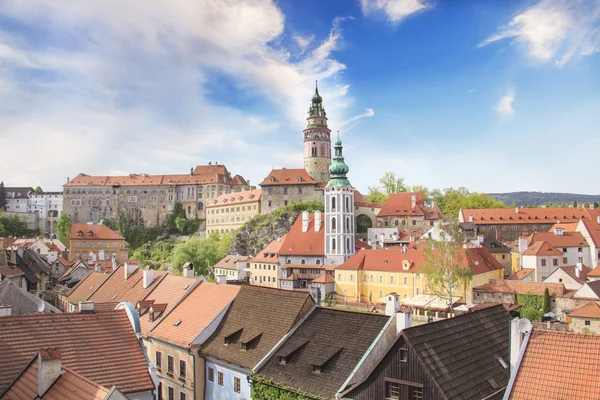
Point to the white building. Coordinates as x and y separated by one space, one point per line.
573 277
45 206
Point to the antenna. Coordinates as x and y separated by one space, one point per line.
524 325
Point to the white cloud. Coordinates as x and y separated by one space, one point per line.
395 10
304 41
504 108
560 30
367 113
135 86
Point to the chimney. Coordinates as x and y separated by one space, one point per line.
577 272
221 279
148 277
129 269
5 310
518 328
598 219
98 268
517 210
318 221
403 321
188 271
392 304
114 262
580 266
304 221
49 369
522 244
413 200
470 218
86 307
68 179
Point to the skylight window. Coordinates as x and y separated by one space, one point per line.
503 363
176 323
186 286
114 297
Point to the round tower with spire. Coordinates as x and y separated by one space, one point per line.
317 142
339 211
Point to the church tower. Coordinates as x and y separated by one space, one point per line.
317 142
339 211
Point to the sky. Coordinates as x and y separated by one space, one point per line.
495 96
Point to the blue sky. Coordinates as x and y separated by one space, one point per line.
492 95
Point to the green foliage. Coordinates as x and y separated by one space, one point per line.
171 221
391 183
38 190
535 199
263 389
2 196
154 254
531 306
187 226
11 225
330 299
256 233
451 200
546 304
376 195
63 228
203 253
134 231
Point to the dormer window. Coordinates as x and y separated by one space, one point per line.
272 179
177 323
79 233
405 265
244 346
282 360
89 233
317 369
298 179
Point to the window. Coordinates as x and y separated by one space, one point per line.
182 368
170 365
580 259
380 278
580 250
543 262
405 280
555 262
333 203
392 390
565 260
236 384
504 256
587 323
171 392
158 359
404 355
351 277
182 396
339 277
220 378
333 224
391 279
211 374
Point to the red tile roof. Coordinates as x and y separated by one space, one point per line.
570 270
270 254
86 287
309 243
485 216
326 278
588 310
230 262
359 201
288 177
593 228
235 198
568 239
542 248
195 311
100 346
559 365
518 287
117 289
595 272
400 204
521 274
99 231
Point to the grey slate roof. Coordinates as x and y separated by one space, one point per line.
333 339
21 301
461 353
17 192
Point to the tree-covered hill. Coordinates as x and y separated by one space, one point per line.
534 199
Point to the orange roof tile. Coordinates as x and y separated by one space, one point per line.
117 289
309 243
359 201
326 278
196 311
271 252
570 270
568 239
593 228
100 346
99 231
168 291
521 274
73 386
559 365
485 216
230 262
86 287
588 310
400 204
288 177
595 272
542 248
234 198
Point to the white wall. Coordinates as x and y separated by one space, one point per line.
214 391
559 276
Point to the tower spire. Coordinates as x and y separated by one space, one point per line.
338 169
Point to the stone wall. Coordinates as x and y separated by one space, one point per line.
276 196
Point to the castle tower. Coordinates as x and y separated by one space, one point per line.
339 211
317 142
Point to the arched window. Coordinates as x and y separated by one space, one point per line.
333 244
347 204
333 224
318 262
314 150
289 261
189 210
303 261
347 224
348 244
324 150
333 203
200 206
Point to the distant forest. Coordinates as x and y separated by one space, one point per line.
534 199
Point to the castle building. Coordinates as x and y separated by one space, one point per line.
317 142
148 198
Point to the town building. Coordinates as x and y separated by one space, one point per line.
408 212
40 210
15 300
233 268
573 245
317 141
572 276
523 275
556 365
586 319
265 268
460 358
510 223
257 320
590 229
148 198
17 198
96 242
173 341
285 186
82 291
37 272
228 212
589 290
101 346
314 361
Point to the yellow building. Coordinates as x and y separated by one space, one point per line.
264 268
229 212
369 275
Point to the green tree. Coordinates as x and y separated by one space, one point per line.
38 190
392 183
13 226
2 196
451 200
445 269
203 253
376 195
155 254
422 189
546 305
171 221
63 228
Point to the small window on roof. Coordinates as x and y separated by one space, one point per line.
186 286
503 363
114 297
176 323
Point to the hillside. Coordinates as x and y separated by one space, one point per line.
533 199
